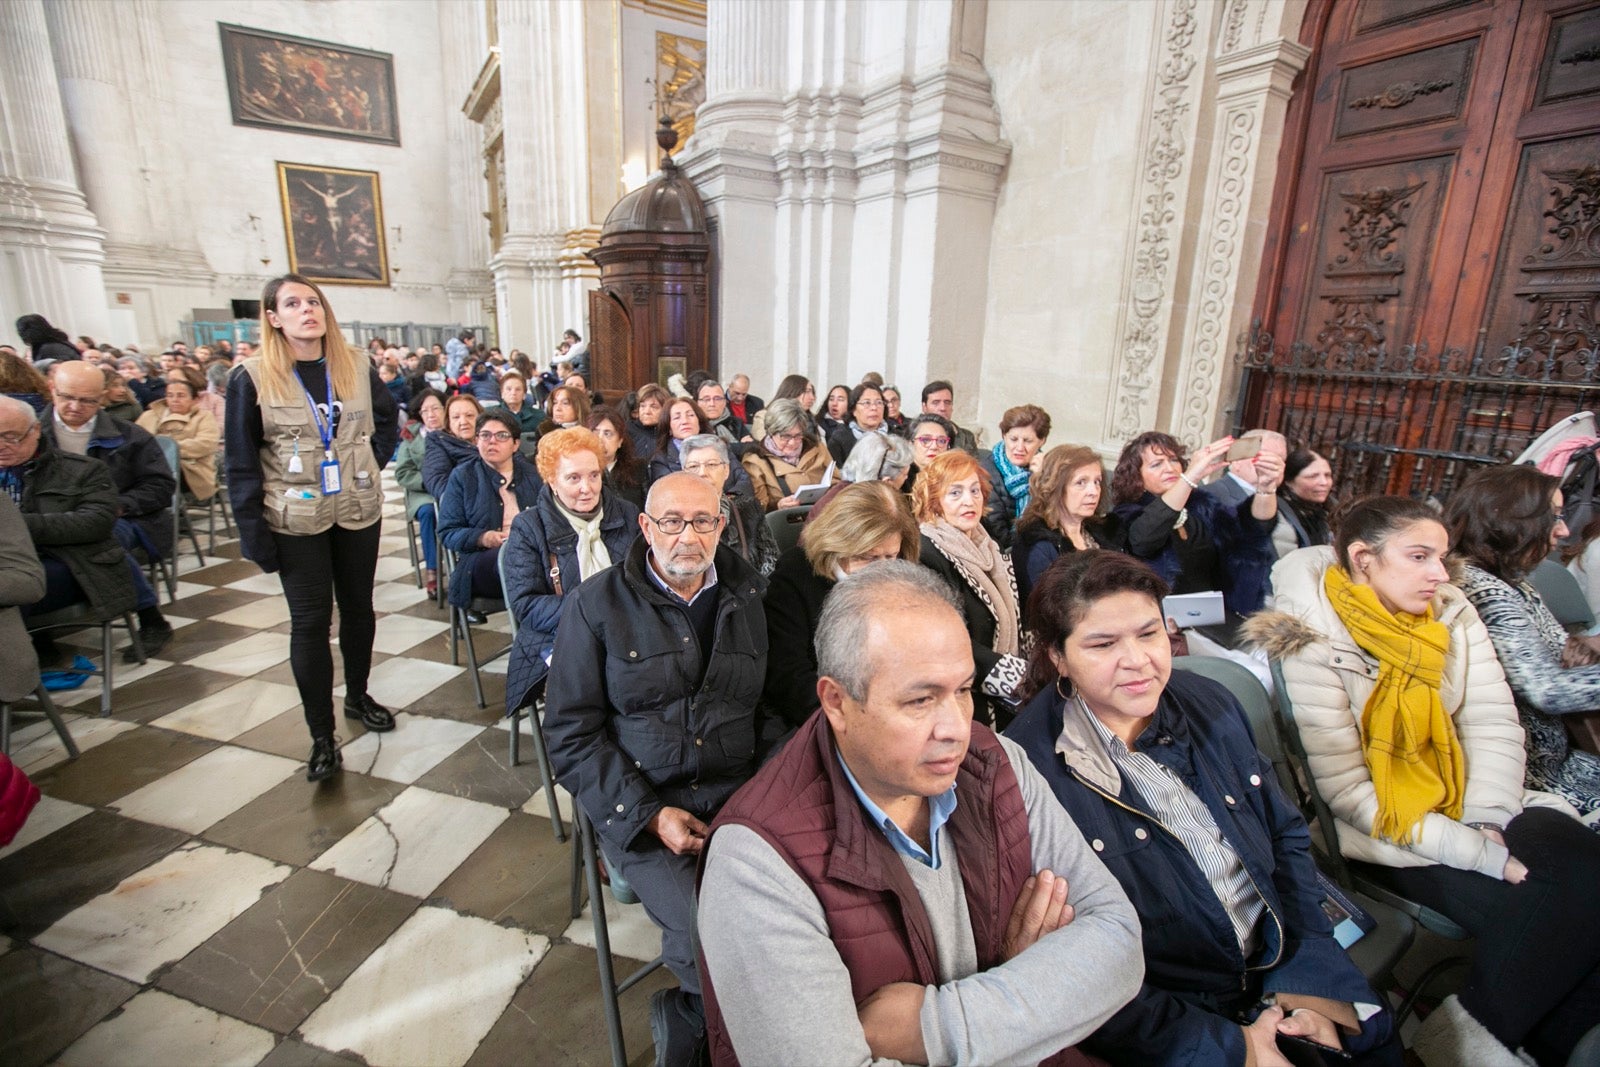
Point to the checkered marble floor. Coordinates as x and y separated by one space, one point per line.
183 895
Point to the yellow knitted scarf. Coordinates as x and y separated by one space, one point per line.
1411 746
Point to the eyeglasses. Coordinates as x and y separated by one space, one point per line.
934 442
499 436
869 403
675 524
798 435
17 438
706 467
68 398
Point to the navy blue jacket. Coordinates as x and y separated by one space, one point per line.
139 470
441 455
471 505
1193 965
539 535
1226 548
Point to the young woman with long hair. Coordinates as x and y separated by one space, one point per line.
309 427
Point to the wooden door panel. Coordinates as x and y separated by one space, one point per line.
610 343
1387 14
1377 228
1407 90
1571 67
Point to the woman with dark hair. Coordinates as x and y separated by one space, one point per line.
568 406
309 428
480 501
680 420
834 412
1010 464
948 503
20 379
1159 770
1503 521
863 524
1303 506
514 398
866 416
178 415
429 406
1193 540
623 471
796 387
442 453
1065 514
645 422
44 341
575 529
1412 735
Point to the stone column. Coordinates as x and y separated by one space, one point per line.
1253 86
462 48
51 245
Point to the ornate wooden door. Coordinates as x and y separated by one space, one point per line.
1435 266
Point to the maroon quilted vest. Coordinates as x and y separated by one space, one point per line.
803 806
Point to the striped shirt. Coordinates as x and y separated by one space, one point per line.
1182 812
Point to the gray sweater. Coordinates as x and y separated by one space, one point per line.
785 995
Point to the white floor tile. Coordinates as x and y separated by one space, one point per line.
397 596
156 1027
262 615
536 804
400 682
252 655
265 584
121 674
196 571
397 633
429 994
395 568
208 789
229 712
48 816
392 543
46 751
194 588
416 745
413 843
163 912
25 732
632 934
177 622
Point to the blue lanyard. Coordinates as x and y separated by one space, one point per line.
324 432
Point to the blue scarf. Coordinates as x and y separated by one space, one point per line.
1014 477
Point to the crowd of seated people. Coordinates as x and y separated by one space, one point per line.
1120 877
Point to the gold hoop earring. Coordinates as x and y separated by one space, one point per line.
1059 693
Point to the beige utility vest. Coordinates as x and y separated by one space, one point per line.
293 502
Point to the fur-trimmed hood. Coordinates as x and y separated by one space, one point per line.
1278 634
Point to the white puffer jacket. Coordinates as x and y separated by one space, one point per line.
1329 678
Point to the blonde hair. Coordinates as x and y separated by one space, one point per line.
557 445
935 478
276 377
860 516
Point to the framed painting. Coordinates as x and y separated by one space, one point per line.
333 221
291 83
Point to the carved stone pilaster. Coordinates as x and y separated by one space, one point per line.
1252 98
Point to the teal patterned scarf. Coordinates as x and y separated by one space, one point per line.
1014 477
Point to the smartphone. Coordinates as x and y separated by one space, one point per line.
1244 448
1315 1046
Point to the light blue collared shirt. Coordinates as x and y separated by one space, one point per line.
940 808
661 583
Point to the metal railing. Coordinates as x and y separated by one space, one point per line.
412 334
1408 420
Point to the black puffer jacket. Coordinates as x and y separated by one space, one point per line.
443 453
138 469
632 725
794 604
70 506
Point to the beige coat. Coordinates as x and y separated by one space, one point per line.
775 478
1329 678
198 440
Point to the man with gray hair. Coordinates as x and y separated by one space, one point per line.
744 527
1249 490
853 909
651 715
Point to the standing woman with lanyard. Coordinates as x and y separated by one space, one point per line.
309 426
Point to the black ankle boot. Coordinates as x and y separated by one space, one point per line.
325 760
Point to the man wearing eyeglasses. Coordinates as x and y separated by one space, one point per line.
650 716
139 469
69 505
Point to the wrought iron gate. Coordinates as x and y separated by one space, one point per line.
1411 421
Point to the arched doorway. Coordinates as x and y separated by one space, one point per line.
1433 271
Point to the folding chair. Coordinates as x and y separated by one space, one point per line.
1378 953
787 524
411 547
547 775
587 851
47 709
180 517
462 629
81 616
1562 594
1433 921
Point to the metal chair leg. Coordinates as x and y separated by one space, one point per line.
602 943
457 618
472 660
5 728
411 549
107 651
547 773
48 706
515 746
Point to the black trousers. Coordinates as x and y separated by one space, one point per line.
337 564
1535 978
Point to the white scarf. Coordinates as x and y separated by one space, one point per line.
592 555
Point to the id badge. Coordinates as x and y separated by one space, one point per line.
331 482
